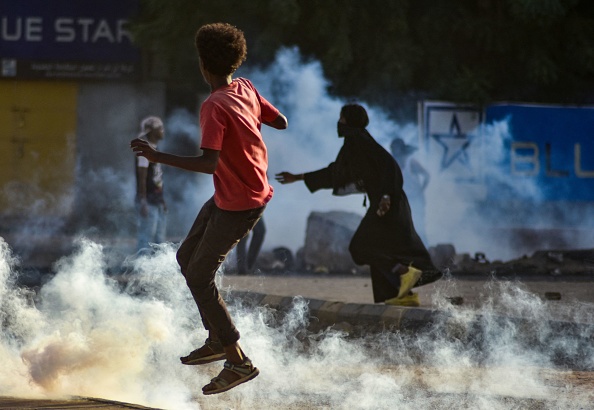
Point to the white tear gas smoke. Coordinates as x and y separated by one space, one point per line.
86 334
185 191
105 195
104 200
299 89
458 212
32 216
311 142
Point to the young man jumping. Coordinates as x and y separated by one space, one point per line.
235 154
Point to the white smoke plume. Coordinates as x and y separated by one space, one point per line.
298 88
88 334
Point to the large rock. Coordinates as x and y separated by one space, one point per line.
443 255
327 239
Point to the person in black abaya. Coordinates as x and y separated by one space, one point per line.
386 239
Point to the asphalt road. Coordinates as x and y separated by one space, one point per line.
409 385
531 292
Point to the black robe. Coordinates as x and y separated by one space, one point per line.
363 165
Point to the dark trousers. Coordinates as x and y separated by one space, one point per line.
245 263
383 242
212 236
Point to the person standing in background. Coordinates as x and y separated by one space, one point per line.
416 179
247 255
150 203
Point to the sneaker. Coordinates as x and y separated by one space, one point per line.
408 281
210 352
411 299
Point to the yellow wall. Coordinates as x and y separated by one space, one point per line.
37 147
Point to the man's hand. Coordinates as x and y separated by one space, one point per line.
287 178
143 149
384 205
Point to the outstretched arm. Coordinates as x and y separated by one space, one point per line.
205 163
288 178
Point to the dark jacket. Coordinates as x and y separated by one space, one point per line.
363 165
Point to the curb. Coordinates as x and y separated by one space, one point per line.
474 330
329 313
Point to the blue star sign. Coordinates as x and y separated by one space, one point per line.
454 145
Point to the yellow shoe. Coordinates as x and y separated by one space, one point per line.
408 300
408 281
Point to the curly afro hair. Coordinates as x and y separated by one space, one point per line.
221 47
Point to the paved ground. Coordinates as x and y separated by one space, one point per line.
72 403
576 291
576 303
429 387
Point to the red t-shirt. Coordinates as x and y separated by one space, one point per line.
230 120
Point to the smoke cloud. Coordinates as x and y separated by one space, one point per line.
87 333
455 212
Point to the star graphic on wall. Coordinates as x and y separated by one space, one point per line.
454 144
